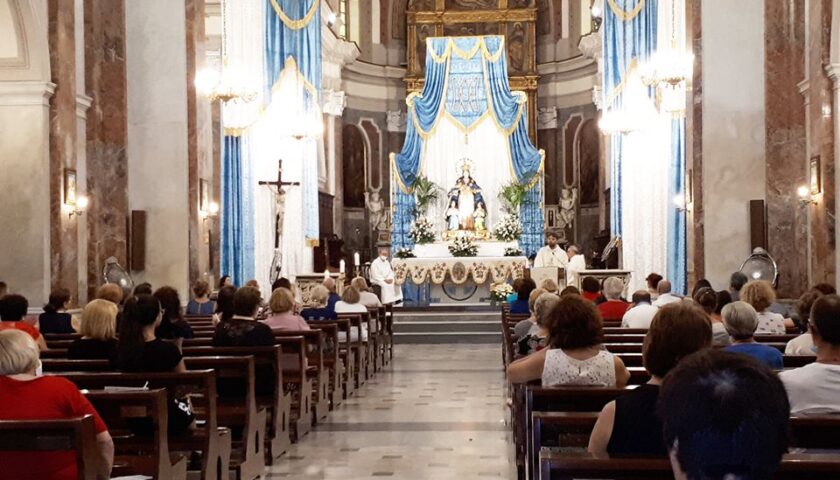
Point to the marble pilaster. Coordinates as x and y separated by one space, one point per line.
695 253
199 144
784 65
107 164
63 138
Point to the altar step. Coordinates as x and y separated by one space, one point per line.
436 325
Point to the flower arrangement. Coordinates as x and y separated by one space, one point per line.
422 231
463 246
508 229
500 291
405 253
513 252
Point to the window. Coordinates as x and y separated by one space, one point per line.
342 16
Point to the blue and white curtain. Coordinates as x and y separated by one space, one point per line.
474 71
237 229
647 167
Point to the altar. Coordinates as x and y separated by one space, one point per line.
448 280
441 249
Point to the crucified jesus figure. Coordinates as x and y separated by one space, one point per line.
280 211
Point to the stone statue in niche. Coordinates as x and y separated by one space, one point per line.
396 120
376 210
568 202
516 47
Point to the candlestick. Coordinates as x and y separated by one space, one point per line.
326 274
356 261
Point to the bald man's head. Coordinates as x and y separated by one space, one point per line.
663 287
329 283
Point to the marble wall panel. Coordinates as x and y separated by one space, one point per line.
784 62
107 164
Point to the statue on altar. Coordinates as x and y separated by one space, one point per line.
467 210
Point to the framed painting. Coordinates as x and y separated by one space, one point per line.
69 186
204 195
815 175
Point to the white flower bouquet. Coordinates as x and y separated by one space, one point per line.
500 291
508 229
422 231
513 252
463 246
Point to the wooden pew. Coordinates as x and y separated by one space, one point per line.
344 352
200 385
133 454
389 326
316 370
359 348
237 410
332 362
75 434
270 391
575 465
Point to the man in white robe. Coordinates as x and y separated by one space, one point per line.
551 255
382 274
577 264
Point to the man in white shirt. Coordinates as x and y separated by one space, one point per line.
551 255
577 264
815 388
641 313
382 274
665 295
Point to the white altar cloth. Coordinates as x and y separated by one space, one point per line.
441 249
457 269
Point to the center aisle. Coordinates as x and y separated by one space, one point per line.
438 411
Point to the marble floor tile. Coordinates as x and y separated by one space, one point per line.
438 411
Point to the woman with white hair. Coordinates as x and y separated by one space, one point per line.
25 395
741 321
615 307
537 337
318 310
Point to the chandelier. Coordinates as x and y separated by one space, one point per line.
295 101
668 71
636 111
229 85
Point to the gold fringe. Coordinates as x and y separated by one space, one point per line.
625 15
296 24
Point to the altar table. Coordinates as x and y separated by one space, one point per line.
485 249
453 280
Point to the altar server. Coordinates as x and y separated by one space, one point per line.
382 274
577 264
551 255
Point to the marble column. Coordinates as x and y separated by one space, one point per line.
63 136
107 169
784 65
820 134
695 253
199 145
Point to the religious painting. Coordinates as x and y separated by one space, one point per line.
354 154
421 5
589 151
471 4
815 175
516 41
69 186
520 3
203 195
424 31
550 216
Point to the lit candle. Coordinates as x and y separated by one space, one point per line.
341 266
356 259
326 274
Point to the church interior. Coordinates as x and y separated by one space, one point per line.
295 238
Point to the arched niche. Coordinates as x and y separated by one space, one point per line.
353 162
24 55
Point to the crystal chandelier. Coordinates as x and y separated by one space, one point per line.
636 111
668 71
301 115
229 86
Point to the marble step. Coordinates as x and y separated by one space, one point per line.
447 325
448 337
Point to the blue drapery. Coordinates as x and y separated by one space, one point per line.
237 229
293 40
676 220
629 40
473 68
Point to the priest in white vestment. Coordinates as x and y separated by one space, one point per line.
382 274
551 255
577 264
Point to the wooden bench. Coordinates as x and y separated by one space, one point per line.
237 409
344 356
73 434
213 441
133 454
269 390
361 368
579 465
332 362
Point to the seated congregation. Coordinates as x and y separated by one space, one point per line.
727 384
137 384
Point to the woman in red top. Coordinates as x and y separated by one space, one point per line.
591 289
12 310
614 308
25 395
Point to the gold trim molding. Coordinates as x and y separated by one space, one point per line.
509 15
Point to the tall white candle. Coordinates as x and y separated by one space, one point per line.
341 266
356 259
326 274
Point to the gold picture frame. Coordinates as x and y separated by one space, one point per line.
815 175
70 186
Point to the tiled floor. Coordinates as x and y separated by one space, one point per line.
437 412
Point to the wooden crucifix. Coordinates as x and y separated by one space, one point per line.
280 207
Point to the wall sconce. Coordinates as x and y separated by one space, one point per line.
80 206
211 211
679 203
805 195
597 16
